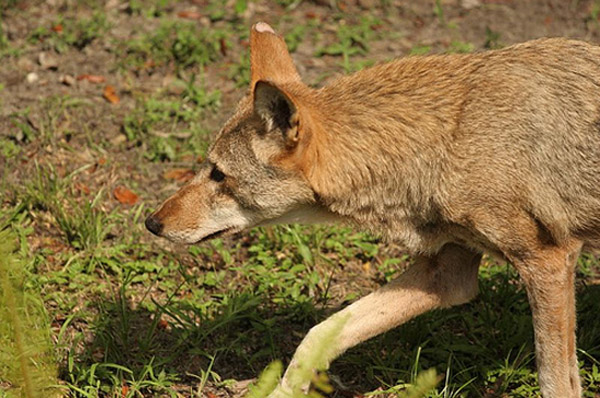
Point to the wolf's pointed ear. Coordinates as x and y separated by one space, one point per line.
278 111
269 57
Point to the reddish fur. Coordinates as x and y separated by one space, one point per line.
451 156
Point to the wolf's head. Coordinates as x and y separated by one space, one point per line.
256 170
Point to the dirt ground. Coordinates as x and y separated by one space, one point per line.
74 106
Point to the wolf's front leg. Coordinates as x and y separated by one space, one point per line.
446 279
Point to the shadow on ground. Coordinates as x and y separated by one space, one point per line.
491 335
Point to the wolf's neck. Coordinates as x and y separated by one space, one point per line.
381 144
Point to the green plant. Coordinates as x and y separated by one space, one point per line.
420 50
8 148
83 226
27 362
150 9
240 71
182 43
295 36
77 33
438 10
352 40
46 122
492 39
457 46
170 127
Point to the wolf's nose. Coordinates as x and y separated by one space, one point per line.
153 225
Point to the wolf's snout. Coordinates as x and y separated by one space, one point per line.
153 225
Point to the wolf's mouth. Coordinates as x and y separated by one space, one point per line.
223 232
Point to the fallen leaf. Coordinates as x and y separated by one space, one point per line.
82 188
92 78
67 80
149 63
181 175
211 395
58 28
223 47
124 390
125 196
187 158
110 95
366 266
189 14
47 61
162 324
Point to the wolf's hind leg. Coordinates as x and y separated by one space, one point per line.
549 277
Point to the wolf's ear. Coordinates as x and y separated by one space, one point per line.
269 57
278 111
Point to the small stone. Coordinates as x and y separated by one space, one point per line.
32 77
47 61
25 64
67 80
110 4
470 4
119 139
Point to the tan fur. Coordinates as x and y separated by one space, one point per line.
451 156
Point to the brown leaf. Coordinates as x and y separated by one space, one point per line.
125 196
181 175
82 188
124 390
223 47
366 267
162 324
92 78
189 14
111 95
148 64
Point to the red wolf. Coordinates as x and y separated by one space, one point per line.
450 155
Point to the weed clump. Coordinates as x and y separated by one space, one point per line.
183 44
27 363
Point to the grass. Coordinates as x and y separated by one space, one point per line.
65 33
27 358
132 316
170 127
173 42
352 40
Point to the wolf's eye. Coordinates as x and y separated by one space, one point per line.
216 174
